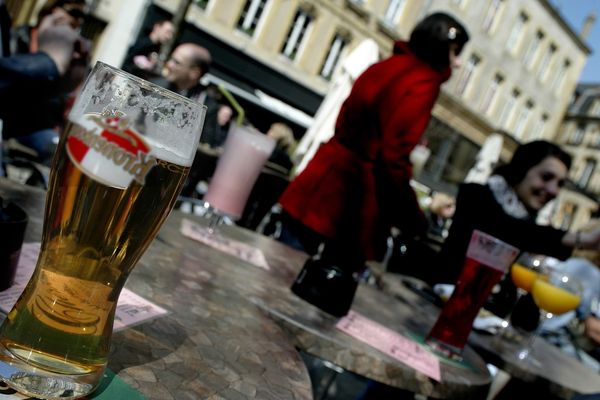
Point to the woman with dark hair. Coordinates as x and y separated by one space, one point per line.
434 37
507 206
357 185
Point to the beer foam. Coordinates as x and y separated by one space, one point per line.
157 149
170 122
169 154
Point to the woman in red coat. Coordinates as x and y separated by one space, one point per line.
357 185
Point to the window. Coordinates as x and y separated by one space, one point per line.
586 174
296 34
333 56
516 34
394 11
595 109
596 143
546 60
251 15
578 135
467 74
522 119
532 50
509 107
560 76
540 127
492 14
452 155
491 93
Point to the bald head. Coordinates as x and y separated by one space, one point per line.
199 56
187 64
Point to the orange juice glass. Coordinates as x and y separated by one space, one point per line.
554 299
523 277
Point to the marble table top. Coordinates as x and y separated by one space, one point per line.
213 344
314 331
233 327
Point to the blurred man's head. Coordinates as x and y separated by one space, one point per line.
63 12
187 64
162 32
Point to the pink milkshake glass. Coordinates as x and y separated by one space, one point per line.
245 152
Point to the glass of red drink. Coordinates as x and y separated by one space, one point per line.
487 260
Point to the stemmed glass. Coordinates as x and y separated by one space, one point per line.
523 274
555 293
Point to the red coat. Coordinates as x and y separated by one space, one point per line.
357 185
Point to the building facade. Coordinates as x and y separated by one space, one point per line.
579 134
519 69
280 57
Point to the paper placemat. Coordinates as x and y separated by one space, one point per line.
132 309
391 343
235 248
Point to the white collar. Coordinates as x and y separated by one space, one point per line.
507 198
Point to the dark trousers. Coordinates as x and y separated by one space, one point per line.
300 237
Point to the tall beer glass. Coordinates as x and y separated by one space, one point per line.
487 259
118 169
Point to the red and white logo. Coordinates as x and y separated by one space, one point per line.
106 149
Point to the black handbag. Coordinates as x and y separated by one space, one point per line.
326 285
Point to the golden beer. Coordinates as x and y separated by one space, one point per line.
98 223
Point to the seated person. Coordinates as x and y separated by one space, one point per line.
142 56
32 86
439 214
214 135
592 331
55 36
24 38
579 331
506 207
284 145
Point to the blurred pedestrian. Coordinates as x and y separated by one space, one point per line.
357 186
339 197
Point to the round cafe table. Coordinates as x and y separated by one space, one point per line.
556 375
233 327
314 332
212 344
